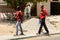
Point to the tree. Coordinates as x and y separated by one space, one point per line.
21 3
14 3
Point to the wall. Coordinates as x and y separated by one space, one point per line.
46 5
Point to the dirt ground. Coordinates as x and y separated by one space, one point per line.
6 28
58 25
44 37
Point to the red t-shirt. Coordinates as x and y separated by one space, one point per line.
43 14
44 10
18 15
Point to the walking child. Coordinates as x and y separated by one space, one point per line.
42 19
18 18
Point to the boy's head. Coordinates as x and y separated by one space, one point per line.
18 8
42 6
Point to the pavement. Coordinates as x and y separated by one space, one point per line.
32 25
52 37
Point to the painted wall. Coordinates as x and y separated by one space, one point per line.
2 2
46 5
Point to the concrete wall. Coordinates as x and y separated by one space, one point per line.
2 2
4 7
46 5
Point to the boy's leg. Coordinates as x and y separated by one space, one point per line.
17 28
27 15
40 28
20 28
46 28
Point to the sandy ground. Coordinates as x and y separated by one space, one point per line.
47 37
9 28
52 37
58 25
6 29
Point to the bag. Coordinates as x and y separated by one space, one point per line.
20 15
39 21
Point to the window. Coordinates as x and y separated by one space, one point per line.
55 0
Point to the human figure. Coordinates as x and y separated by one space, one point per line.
28 11
18 17
42 19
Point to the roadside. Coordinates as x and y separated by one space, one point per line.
52 37
30 27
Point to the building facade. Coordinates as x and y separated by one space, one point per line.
52 7
4 8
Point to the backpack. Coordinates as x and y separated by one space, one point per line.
18 15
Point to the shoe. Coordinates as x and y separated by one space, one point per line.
16 35
47 34
37 34
21 34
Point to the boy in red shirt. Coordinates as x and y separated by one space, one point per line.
42 19
18 18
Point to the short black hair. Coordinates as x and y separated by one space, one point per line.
18 8
42 6
27 5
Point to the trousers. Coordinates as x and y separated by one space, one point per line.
18 24
43 25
